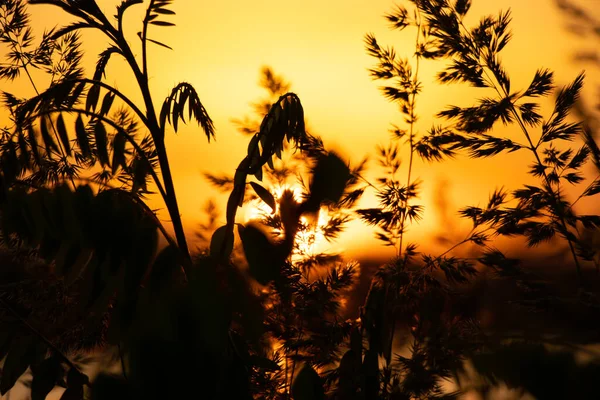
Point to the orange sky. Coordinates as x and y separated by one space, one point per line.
220 46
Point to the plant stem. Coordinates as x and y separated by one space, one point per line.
502 93
117 93
584 191
144 44
411 138
127 136
156 133
58 140
555 194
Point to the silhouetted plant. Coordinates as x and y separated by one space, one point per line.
407 297
539 214
103 245
105 136
273 330
303 305
542 211
394 196
100 246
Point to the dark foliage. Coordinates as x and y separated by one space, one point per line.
260 313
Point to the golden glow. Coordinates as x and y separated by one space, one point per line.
310 240
258 208
220 46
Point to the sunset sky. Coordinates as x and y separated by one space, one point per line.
220 47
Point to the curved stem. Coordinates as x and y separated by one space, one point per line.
63 152
155 131
499 88
411 139
144 41
584 191
119 94
118 38
129 138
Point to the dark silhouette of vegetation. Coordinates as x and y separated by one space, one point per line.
259 312
304 322
539 213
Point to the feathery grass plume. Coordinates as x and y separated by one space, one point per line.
542 211
395 196
410 297
537 212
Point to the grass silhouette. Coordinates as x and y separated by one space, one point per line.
256 314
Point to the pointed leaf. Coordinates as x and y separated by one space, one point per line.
141 170
164 112
75 94
308 385
265 195
46 136
162 23
118 160
107 102
101 143
159 43
92 98
175 116
82 137
62 134
163 11
218 246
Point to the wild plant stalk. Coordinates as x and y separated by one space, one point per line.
90 263
412 120
18 35
121 156
540 213
395 197
501 85
473 54
298 297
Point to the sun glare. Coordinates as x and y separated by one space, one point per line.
310 238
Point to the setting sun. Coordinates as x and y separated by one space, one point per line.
316 200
